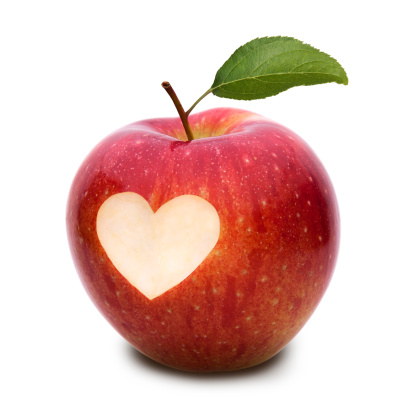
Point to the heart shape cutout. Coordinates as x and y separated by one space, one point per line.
157 251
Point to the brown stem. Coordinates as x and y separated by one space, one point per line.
180 110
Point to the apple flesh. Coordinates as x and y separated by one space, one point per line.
208 255
155 252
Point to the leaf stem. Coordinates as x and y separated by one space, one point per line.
180 110
198 100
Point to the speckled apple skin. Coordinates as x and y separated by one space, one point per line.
278 244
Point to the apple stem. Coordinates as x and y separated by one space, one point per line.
198 100
180 110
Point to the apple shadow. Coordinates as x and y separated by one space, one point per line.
274 364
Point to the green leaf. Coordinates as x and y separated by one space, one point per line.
269 65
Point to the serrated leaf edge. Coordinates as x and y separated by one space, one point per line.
343 81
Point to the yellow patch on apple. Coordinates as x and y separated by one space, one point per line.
157 251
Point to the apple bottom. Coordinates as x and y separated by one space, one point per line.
231 325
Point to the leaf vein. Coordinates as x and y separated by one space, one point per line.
260 78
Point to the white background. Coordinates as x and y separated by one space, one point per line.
72 72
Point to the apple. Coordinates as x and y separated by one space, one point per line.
209 254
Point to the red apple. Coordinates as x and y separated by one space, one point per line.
238 254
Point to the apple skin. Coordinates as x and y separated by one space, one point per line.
278 243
